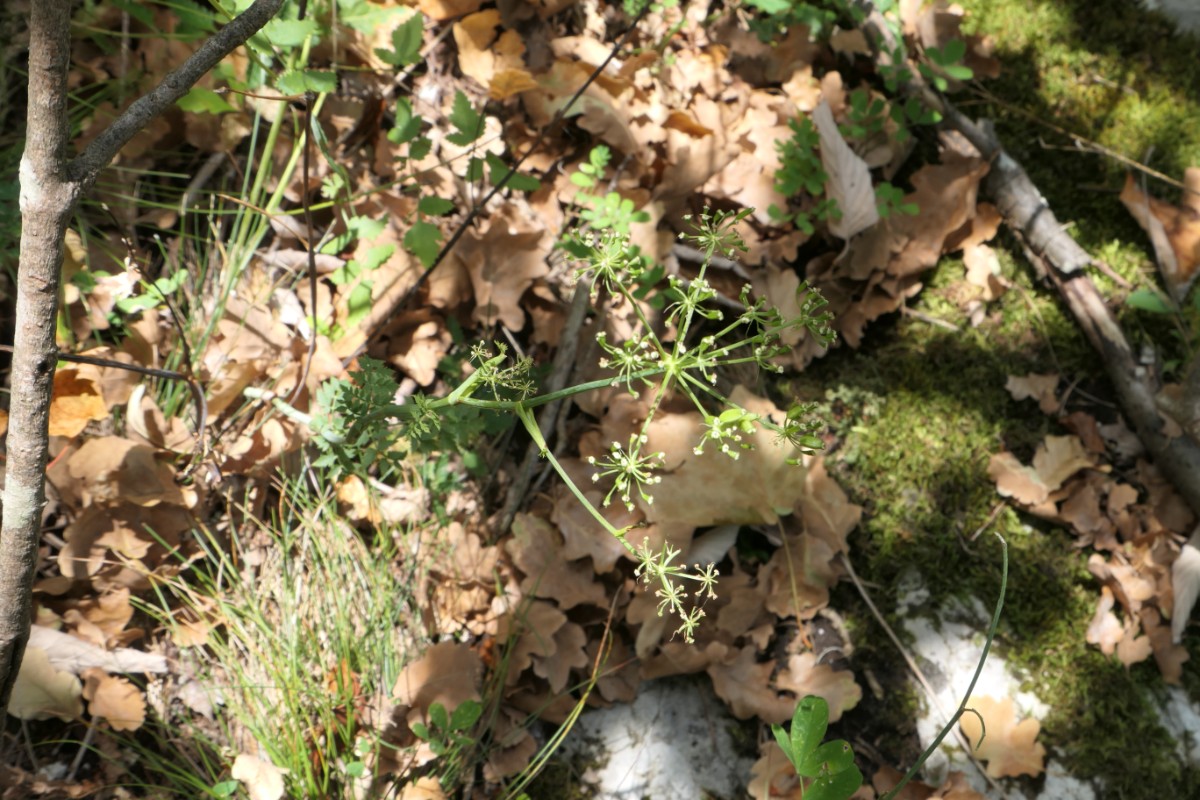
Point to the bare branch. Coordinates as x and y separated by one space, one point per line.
105 146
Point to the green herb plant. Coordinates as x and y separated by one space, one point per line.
357 426
449 737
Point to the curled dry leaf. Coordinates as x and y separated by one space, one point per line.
1010 747
42 691
1174 230
849 178
262 779
114 699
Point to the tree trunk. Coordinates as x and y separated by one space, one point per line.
51 186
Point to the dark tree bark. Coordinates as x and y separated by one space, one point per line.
51 186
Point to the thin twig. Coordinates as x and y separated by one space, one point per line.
916 671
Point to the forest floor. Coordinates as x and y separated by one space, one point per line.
255 608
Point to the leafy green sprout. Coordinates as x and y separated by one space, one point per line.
830 765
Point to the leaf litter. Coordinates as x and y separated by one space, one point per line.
696 115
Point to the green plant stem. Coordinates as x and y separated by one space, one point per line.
962 708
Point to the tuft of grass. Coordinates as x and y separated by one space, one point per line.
311 626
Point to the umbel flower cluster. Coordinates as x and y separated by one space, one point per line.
360 426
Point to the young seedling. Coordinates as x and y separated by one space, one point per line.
830 765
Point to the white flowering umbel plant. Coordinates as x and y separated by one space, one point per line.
688 364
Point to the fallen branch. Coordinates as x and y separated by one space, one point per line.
52 184
1029 216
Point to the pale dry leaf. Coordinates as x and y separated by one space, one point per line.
114 699
74 655
1014 479
849 178
1185 580
1105 630
1168 654
42 691
772 775
1010 747
1039 387
262 779
1058 458
712 488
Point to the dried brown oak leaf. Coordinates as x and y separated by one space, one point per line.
448 673
712 488
74 403
744 682
503 261
1057 459
536 548
1010 747
1174 230
115 699
804 676
113 469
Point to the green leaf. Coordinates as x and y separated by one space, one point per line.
809 723
306 80
203 101
225 788
290 32
466 715
835 787
364 16
376 256
466 120
439 717
582 180
830 758
953 52
435 206
422 241
785 744
355 769
358 304
406 42
1148 300
518 182
419 148
407 126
